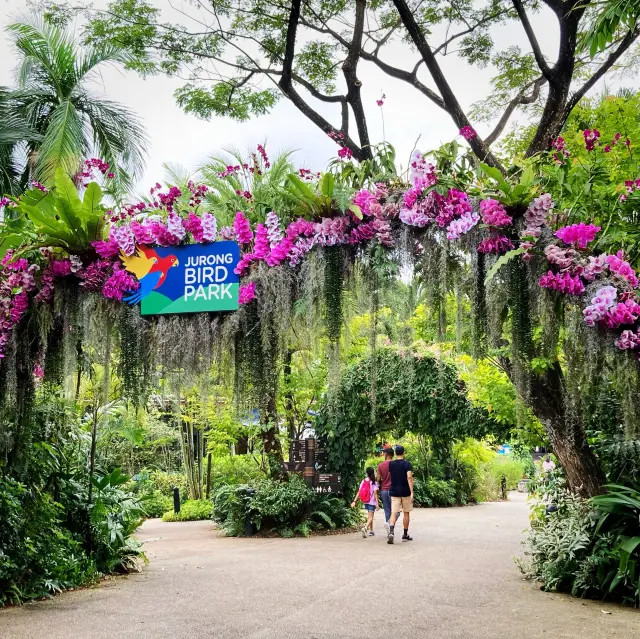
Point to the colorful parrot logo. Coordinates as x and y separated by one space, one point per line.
149 268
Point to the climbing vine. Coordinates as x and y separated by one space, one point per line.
415 391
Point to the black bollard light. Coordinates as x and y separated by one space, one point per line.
176 500
249 526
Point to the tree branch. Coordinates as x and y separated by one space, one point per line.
451 102
349 69
286 84
520 99
394 72
537 52
470 29
626 42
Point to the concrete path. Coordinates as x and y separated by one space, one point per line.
456 579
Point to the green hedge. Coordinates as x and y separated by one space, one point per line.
191 510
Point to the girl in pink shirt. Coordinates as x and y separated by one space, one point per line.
371 487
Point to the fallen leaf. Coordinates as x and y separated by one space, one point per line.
605 612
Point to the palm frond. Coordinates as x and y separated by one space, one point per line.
176 174
13 127
118 137
63 144
48 55
52 100
93 56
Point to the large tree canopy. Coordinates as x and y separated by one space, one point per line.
239 58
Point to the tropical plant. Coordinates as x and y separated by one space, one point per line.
286 508
587 547
70 121
620 518
252 183
191 510
57 218
14 130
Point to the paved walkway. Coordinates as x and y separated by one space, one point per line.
456 579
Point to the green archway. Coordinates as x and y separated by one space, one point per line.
413 392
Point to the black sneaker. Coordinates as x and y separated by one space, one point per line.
407 538
390 538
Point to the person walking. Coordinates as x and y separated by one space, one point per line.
547 465
401 492
368 495
384 480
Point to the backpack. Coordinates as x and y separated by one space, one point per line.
365 491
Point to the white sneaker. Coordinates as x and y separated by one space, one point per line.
386 526
364 532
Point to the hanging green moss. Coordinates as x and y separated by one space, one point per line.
333 292
519 304
130 355
478 305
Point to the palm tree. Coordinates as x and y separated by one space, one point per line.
14 130
52 98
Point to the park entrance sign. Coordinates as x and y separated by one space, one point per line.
196 278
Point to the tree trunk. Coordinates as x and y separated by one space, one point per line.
288 396
548 402
271 442
553 116
208 476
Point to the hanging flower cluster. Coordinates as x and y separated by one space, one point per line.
494 213
497 244
578 234
90 168
559 146
166 221
17 280
590 138
468 132
247 293
562 282
614 305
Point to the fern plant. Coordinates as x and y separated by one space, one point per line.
255 176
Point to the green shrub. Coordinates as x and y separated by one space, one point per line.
38 556
490 477
234 470
466 480
156 504
191 510
332 512
434 492
166 482
281 507
231 507
44 544
589 548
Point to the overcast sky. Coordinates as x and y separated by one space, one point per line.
186 140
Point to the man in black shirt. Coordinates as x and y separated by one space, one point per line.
401 493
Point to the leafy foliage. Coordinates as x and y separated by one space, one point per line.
60 218
587 548
69 122
414 392
284 507
191 510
